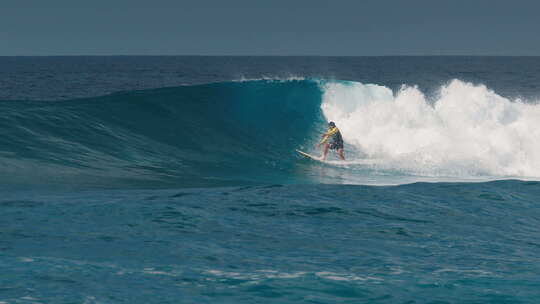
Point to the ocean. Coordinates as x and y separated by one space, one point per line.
174 179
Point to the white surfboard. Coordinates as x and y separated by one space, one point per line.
307 155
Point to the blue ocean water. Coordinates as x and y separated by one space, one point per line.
174 180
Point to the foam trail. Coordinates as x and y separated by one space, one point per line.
468 131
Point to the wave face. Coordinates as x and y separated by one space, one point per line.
245 132
213 134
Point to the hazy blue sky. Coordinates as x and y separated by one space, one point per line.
273 27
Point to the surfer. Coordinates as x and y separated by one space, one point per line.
332 140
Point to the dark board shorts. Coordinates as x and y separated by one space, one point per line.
336 145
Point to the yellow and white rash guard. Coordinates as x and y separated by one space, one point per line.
331 132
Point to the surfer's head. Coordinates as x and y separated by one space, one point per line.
331 124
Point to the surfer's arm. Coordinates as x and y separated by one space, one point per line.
327 135
324 139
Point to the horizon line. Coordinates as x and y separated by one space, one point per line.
244 55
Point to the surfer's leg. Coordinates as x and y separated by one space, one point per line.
340 153
325 151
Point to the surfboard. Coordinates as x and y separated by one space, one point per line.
307 155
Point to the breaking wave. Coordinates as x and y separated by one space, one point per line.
245 132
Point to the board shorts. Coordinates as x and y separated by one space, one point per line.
336 145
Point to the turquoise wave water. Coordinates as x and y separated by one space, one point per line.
245 132
235 132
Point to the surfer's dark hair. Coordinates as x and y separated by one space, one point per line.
332 124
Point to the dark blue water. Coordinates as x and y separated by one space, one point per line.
174 180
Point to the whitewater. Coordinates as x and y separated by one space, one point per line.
464 131
175 180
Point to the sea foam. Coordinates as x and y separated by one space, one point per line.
467 130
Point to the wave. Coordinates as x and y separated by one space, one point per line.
245 132
212 134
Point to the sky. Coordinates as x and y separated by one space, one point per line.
272 27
